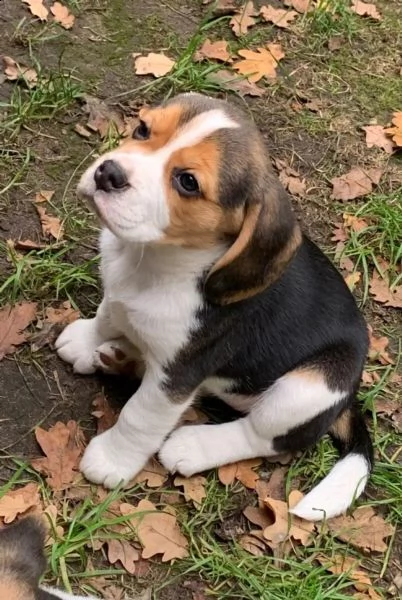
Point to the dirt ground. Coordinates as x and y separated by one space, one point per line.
37 388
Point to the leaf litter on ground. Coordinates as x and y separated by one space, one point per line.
62 15
213 50
19 501
241 471
243 19
356 183
154 64
13 72
281 17
13 322
37 9
260 63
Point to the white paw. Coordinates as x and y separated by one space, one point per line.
183 452
77 343
118 357
109 461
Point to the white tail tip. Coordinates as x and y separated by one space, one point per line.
334 494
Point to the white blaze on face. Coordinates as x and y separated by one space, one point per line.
140 213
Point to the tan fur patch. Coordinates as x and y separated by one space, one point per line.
198 222
310 375
342 428
12 589
163 124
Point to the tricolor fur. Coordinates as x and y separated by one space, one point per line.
210 286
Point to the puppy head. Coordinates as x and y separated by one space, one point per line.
196 174
22 561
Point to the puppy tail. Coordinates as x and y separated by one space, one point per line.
347 479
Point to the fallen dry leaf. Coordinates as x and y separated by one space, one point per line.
64 314
82 131
376 136
13 71
13 321
194 488
49 517
37 9
214 50
354 184
377 350
381 291
278 16
153 474
230 81
104 413
341 564
123 551
339 234
101 118
253 543
28 245
347 264
287 526
364 529
43 196
157 65
50 225
301 6
258 515
290 179
62 15
355 223
242 471
352 279
222 8
157 531
63 445
259 64
365 10
396 131
52 325
243 19
19 501
275 487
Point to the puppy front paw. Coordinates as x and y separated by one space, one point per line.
77 344
183 452
109 463
119 357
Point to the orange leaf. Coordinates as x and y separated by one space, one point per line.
354 223
381 291
364 529
104 413
396 131
157 65
376 136
194 488
43 196
153 474
258 516
63 445
242 471
278 16
14 71
19 501
354 184
243 19
262 63
157 531
365 10
287 526
13 321
123 551
37 9
352 279
64 314
377 349
62 15
214 50
290 178
50 225
341 564
301 6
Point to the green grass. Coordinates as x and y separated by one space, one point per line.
47 274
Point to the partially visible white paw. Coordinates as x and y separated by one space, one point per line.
108 462
77 343
183 451
119 357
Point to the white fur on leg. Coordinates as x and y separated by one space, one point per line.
77 343
65 595
195 448
336 492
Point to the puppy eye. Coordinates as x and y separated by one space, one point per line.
186 184
142 131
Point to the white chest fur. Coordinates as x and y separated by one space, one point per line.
152 292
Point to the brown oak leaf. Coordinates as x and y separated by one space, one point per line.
153 474
157 531
13 71
376 136
13 321
43 196
123 551
62 15
364 529
396 131
278 16
19 501
104 413
63 445
157 65
37 9
381 291
365 10
50 225
261 63
356 183
214 50
194 488
243 19
377 349
339 564
302 6
287 526
242 471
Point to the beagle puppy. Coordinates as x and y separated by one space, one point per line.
211 287
22 563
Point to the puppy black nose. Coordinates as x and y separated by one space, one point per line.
110 176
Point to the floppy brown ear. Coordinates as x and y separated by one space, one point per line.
268 239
